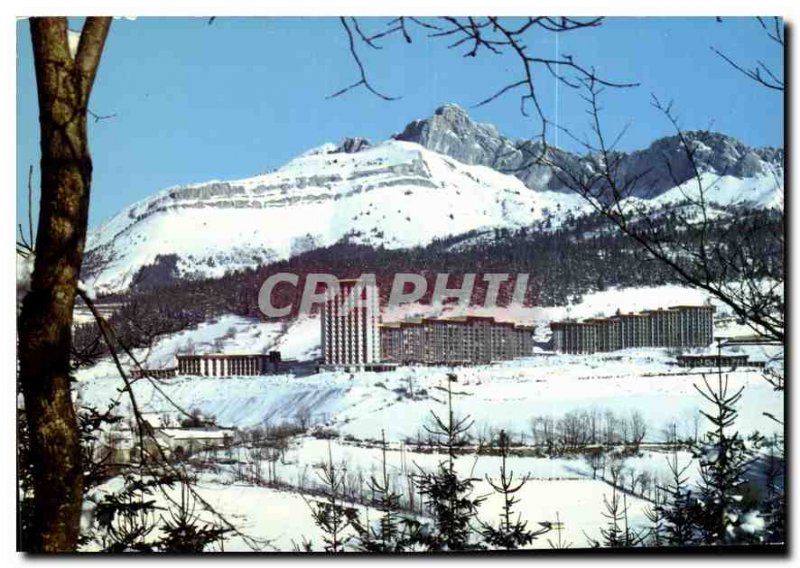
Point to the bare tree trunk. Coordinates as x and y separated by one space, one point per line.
45 321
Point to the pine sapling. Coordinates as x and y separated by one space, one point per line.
512 532
774 508
678 506
655 515
331 515
560 542
449 496
617 533
183 531
724 459
387 537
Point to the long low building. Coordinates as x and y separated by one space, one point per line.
183 442
677 326
241 365
454 341
140 372
716 360
226 365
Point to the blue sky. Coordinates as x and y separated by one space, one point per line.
195 101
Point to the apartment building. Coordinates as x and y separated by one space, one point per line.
455 341
350 332
677 326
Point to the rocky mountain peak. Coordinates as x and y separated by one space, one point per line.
451 131
351 145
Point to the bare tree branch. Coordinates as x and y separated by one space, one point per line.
760 72
364 81
497 37
734 254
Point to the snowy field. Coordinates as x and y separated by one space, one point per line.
278 520
505 395
266 519
357 407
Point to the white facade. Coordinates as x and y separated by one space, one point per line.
222 364
350 332
188 441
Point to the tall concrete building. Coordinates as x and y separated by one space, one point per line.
350 337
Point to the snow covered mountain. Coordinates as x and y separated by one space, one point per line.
396 194
452 132
438 178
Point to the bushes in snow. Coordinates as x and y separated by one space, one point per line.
578 430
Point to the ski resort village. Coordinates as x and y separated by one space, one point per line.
422 328
257 410
587 380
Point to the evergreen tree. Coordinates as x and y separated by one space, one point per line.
678 507
560 543
724 459
131 519
449 496
511 533
125 520
774 509
183 531
331 515
617 533
654 514
388 536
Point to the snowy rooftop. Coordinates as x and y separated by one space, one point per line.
181 433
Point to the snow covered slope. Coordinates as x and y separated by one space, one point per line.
397 194
505 395
400 193
763 191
